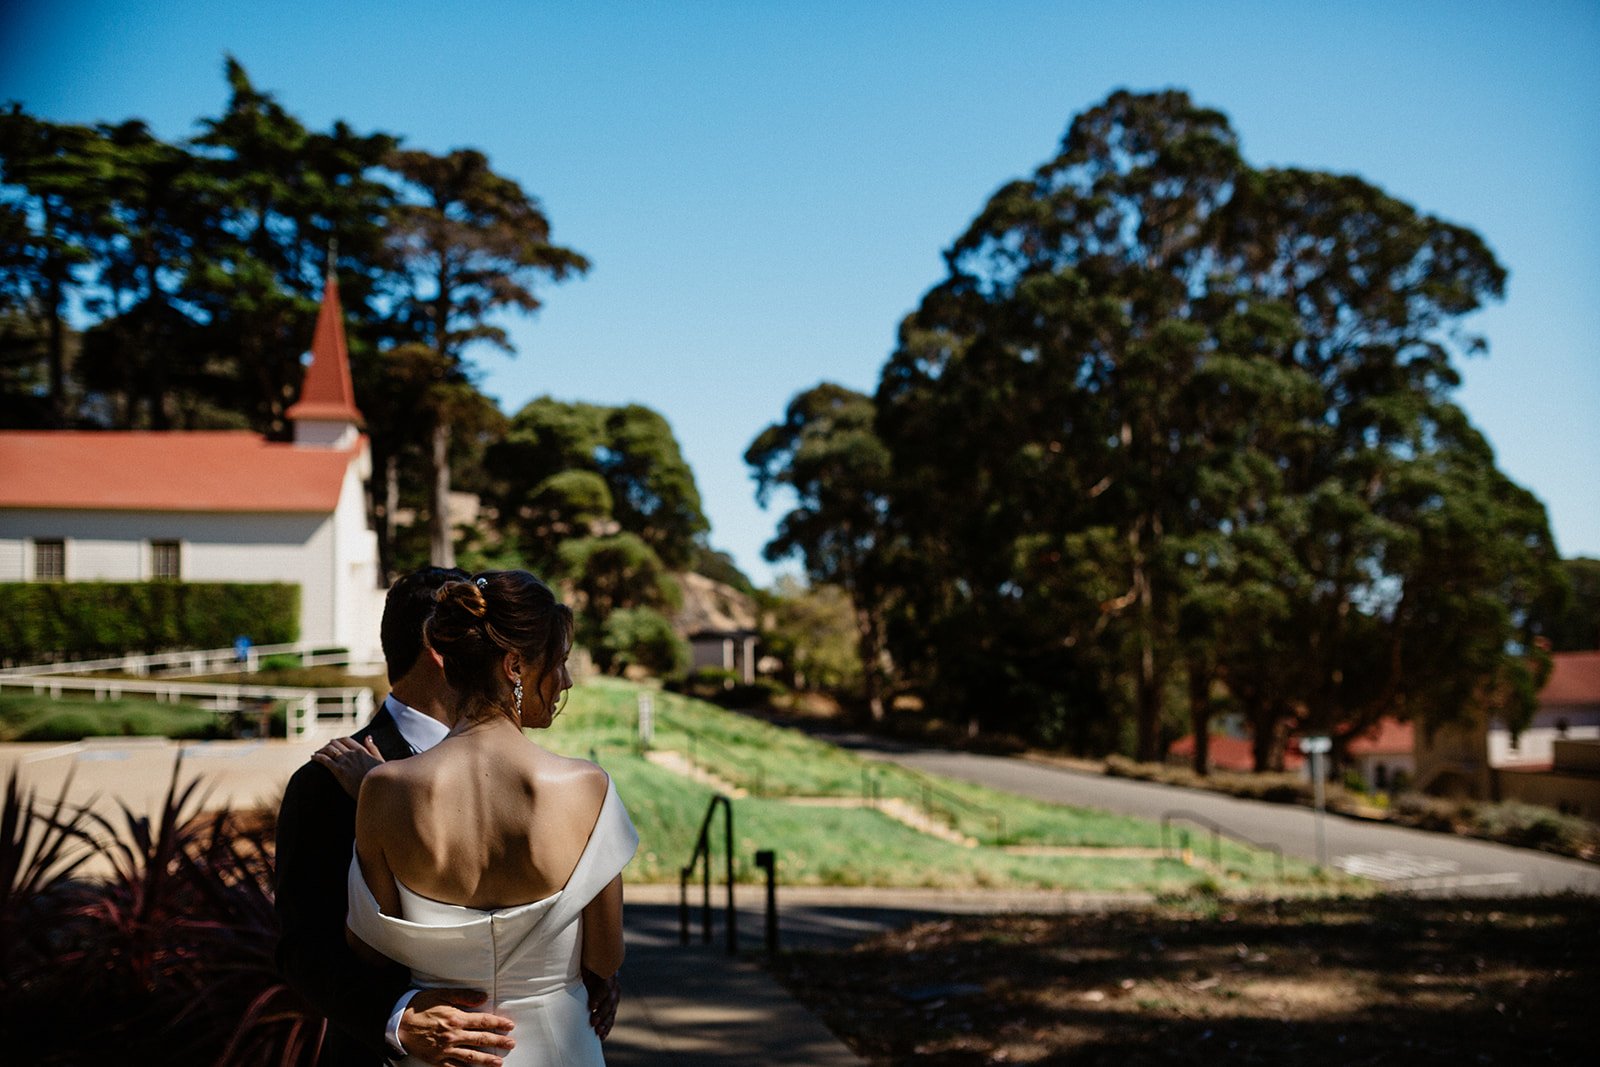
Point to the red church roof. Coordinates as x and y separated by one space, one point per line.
1388 737
327 393
205 470
1574 679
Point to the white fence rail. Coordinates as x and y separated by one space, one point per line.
194 661
310 712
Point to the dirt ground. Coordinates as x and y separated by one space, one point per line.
1377 981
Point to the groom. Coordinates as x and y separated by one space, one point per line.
372 1013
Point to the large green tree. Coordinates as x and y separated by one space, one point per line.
601 499
1155 372
467 243
196 268
287 205
55 179
828 455
566 470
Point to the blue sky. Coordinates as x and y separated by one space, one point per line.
765 188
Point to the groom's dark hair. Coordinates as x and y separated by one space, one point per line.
405 612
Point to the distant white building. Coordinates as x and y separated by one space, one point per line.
210 506
719 623
1554 760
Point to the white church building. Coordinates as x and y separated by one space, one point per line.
211 506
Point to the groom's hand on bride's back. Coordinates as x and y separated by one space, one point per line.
440 1027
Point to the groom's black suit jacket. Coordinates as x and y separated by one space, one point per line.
316 832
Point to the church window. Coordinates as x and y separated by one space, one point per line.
165 560
49 560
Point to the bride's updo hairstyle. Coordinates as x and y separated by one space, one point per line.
475 623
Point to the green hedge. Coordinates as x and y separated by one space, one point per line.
47 620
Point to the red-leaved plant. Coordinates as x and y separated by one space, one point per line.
171 954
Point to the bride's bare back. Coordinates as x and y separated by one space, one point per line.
485 819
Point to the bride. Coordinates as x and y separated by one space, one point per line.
488 862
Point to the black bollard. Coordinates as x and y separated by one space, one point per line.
767 860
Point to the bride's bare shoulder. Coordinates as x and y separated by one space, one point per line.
578 776
396 782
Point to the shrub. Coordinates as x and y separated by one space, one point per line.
724 687
1533 826
1279 788
757 694
1428 813
72 726
708 683
44 620
640 637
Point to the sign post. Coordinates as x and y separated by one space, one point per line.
1318 747
647 720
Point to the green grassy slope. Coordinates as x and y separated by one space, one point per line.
838 846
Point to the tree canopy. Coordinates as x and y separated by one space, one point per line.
827 454
1176 433
602 499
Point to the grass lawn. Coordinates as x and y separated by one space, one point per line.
1375 981
26 717
857 846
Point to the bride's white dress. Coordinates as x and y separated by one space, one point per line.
525 957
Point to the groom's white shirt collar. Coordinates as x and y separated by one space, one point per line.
420 730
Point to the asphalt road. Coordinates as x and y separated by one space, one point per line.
1400 858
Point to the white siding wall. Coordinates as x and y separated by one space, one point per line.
13 559
357 603
115 546
93 559
1536 744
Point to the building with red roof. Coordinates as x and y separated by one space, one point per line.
1554 760
1385 755
210 505
1228 752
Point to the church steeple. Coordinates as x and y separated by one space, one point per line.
326 414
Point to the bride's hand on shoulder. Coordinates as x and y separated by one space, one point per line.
349 761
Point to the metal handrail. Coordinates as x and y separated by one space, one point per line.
929 791
703 848
1218 831
728 755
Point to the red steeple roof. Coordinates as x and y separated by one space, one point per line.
327 394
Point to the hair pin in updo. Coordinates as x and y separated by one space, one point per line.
483 583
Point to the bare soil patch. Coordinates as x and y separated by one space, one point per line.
1376 981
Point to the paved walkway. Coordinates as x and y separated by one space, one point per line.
696 1005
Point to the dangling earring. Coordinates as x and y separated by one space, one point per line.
516 697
